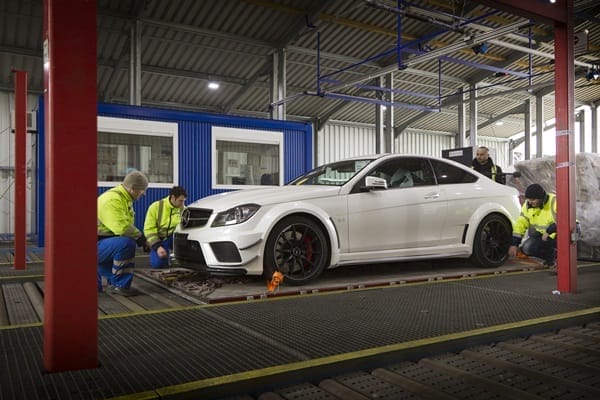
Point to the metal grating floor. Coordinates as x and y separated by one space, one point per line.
157 355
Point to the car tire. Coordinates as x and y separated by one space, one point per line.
298 248
491 242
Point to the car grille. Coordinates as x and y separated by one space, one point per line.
187 250
195 217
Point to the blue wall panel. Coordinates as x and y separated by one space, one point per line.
195 158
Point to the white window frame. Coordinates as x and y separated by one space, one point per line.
143 128
244 136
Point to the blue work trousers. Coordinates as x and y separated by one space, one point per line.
116 259
155 260
536 247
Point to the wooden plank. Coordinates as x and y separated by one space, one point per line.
35 296
18 306
129 304
109 305
3 313
163 295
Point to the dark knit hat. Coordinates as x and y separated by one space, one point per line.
135 180
535 191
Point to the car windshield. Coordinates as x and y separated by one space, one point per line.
334 174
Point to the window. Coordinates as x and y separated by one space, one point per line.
244 157
148 146
447 173
404 172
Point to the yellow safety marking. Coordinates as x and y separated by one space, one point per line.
375 351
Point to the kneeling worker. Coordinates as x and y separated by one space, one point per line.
538 219
162 218
117 234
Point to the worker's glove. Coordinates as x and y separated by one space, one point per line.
141 241
515 241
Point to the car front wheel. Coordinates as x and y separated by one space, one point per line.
492 240
298 248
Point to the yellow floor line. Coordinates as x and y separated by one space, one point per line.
301 365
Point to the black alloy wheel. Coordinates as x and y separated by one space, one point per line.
492 240
298 248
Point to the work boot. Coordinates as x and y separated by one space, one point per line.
121 291
551 265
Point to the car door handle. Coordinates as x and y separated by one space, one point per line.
433 195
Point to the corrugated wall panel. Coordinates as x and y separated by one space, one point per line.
337 141
423 143
498 150
7 165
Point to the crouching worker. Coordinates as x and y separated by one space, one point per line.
538 220
117 234
162 218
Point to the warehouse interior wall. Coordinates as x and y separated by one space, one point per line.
7 166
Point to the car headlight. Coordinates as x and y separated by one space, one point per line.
235 215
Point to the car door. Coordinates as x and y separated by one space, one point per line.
457 185
402 218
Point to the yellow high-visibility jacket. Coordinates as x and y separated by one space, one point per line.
116 215
161 220
537 218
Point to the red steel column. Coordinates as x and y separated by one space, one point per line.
564 77
70 298
20 168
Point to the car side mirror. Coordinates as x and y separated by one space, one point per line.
375 183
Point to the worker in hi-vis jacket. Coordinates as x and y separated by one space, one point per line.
162 218
117 234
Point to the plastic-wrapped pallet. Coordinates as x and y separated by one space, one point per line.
587 180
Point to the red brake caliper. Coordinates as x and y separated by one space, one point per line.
309 248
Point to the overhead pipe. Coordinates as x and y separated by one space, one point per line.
467 42
534 52
372 101
382 89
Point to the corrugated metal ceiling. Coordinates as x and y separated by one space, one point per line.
186 43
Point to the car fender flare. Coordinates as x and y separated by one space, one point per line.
280 211
478 216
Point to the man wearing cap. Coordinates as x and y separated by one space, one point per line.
484 164
117 234
162 218
538 219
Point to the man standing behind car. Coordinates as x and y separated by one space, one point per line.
483 164
538 219
117 234
162 218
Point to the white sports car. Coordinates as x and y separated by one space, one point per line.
359 211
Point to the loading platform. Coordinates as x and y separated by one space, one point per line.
501 336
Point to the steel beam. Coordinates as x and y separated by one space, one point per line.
20 220
70 109
565 150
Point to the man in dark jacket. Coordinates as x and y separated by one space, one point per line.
483 164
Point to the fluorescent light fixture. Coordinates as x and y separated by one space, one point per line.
499 123
213 85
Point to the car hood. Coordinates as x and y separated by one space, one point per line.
265 196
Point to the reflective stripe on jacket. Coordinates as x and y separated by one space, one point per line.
161 220
116 215
488 169
536 218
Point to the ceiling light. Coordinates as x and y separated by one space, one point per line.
213 85
499 123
